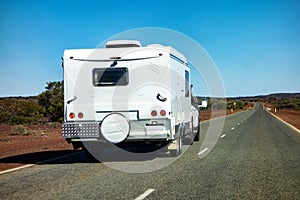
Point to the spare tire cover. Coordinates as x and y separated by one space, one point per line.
115 128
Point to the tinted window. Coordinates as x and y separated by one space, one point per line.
110 76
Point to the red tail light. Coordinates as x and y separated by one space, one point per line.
72 115
80 115
162 113
153 113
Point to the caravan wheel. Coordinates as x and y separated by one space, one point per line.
77 145
178 150
197 136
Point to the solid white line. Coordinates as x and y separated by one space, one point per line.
204 150
145 194
291 126
17 168
223 135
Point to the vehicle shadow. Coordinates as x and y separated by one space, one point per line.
80 156
40 157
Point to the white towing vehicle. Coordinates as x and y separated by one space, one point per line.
129 94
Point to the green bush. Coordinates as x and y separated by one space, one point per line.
288 103
20 111
52 101
48 106
22 130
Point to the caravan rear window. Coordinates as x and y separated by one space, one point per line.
110 76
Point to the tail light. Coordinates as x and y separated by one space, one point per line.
72 115
153 113
162 113
80 115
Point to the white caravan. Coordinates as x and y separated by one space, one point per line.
128 94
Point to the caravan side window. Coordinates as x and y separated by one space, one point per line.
187 84
110 76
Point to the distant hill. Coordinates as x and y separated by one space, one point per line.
278 100
21 97
269 96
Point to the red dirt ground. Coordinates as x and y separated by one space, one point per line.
39 138
206 114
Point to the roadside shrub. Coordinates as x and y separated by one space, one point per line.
291 103
46 107
20 130
20 111
239 104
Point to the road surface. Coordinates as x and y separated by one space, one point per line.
256 157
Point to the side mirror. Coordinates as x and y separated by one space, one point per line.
203 104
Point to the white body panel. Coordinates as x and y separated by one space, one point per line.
156 76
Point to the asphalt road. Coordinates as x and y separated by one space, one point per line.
256 157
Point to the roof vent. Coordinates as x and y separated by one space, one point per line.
122 43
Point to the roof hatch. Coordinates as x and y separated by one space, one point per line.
122 43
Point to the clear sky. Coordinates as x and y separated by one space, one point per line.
254 43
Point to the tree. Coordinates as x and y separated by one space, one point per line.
52 101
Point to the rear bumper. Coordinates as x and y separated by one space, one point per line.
91 131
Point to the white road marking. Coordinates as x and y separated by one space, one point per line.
204 150
223 135
291 126
16 168
145 194
232 128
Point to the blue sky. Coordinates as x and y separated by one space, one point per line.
255 44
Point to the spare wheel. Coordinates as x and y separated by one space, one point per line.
115 128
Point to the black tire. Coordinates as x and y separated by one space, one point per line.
77 145
197 136
190 137
176 152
